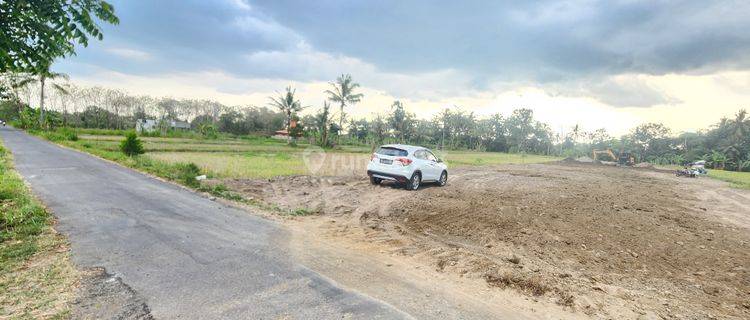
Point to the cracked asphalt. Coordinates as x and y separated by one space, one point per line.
187 256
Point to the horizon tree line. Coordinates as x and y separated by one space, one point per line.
724 145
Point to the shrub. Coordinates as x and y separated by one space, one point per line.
68 134
186 173
64 134
131 146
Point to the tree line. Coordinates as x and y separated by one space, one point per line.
34 34
724 145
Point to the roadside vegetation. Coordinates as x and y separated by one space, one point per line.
36 275
737 179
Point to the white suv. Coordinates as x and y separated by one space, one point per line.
406 164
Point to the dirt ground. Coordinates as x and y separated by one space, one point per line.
589 240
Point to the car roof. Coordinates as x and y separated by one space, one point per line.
406 147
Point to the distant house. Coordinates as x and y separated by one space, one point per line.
280 134
151 125
145 125
179 125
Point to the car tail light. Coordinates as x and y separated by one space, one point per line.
373 157
404 161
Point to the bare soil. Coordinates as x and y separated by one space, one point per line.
598 241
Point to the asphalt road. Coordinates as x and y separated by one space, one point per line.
188 256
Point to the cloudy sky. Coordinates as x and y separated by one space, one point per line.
610 64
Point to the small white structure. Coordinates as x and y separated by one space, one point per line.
179 125
151 125
145 125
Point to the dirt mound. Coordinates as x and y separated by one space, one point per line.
644 165
330 195
607 241
585 159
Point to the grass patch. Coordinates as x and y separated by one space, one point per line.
63 134
301 212
737 179
238 165
22 216
261 157
36 276
473 158
220 190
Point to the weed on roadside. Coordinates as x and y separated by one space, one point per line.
532 285
36 276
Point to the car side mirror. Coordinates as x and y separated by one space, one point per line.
439 160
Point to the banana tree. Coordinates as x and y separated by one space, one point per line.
718 159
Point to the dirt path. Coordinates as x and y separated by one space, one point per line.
726 204
410 283
574 240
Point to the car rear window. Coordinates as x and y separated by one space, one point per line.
394 152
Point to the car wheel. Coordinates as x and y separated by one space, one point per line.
413 183
443 178
374 180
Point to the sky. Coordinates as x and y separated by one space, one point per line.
598 64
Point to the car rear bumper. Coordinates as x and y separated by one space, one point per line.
387 176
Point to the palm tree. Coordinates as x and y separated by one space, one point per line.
739 127
738 130
576 133
322 120
17 81
288 105
42 76
343 94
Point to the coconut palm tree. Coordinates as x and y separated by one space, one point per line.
42 77
288 105
343 94
739 126
322 119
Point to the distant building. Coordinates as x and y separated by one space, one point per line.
151 125
281 135
145 125
179 125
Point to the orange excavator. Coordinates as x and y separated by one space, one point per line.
623 158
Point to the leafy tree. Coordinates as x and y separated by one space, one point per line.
343 94
379 130
131 146
600 139
35 32
288 105
207 130
520 126
718 159
400 121
649 137
738 139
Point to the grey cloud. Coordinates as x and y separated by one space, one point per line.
629 94
486 42
540 40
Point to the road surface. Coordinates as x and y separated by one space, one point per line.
187 256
